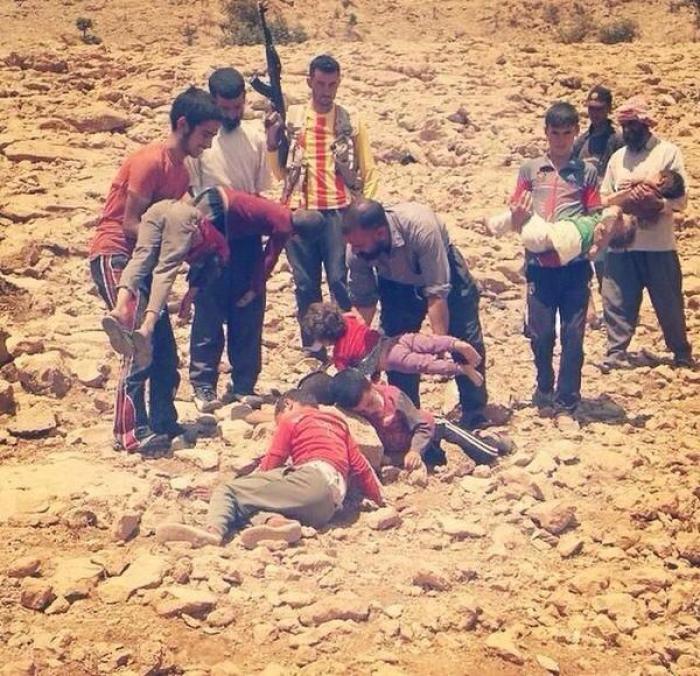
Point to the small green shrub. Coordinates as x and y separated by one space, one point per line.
242 25
85 26
574 31
621 30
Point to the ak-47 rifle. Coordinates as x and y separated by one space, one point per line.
273 90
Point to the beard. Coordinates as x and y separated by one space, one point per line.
635 140
375 253
230 124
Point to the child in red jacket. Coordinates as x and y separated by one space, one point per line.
357 345
309 490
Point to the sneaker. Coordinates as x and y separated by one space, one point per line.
477 448
541 399
252 399
149 443
205 399
119 336
684 362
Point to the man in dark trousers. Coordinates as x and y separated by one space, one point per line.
403 258
237 159
650 260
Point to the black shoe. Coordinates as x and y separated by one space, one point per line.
205 399
475 421
567 405
541 399
684 362
252 399
474 446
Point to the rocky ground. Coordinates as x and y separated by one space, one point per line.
578 553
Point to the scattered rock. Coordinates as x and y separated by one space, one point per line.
36 594
90 373
27 566
7 398
569 544
146 571
186 601
30 423
547 663
554 516
461 529
432 579
502 645
125 526
342 606
383 519
204 458
43 374
96 117
222 617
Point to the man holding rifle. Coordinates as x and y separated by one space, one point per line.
329 161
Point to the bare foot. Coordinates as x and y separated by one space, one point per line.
119 336
471 373
143 349
179 532
468 352
276 528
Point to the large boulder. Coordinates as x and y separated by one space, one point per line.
44 374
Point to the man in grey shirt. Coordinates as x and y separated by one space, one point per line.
403 258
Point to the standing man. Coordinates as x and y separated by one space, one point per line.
237 160
650 261
403 258
153 173
329 162
597 145
556 186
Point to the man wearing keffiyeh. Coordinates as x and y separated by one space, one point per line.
650 260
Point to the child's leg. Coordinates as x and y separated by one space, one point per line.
179 226
300 493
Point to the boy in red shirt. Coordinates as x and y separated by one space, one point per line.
153 173
357 345
410 436
310 490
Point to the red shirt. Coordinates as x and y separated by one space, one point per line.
248 215
311 434
213 242
355 344
152 174
401 427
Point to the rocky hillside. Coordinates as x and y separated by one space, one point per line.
577 554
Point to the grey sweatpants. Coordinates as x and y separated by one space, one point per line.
625 278
301 493
164 239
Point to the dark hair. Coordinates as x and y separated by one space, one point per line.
364 214
348 387
325 63
320 385
196 106
227 83
561 114
324 321
672 184
298 396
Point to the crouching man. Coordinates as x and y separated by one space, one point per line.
324 457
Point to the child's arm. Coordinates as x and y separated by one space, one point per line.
360 468
422 430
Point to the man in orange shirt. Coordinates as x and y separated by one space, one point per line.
329 162
153 173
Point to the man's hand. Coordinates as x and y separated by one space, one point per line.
520 211
645 202
412 461
246 298
273 128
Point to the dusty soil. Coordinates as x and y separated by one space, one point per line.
577 553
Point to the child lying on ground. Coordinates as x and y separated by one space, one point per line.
409 436
172 232
310 490
357 345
